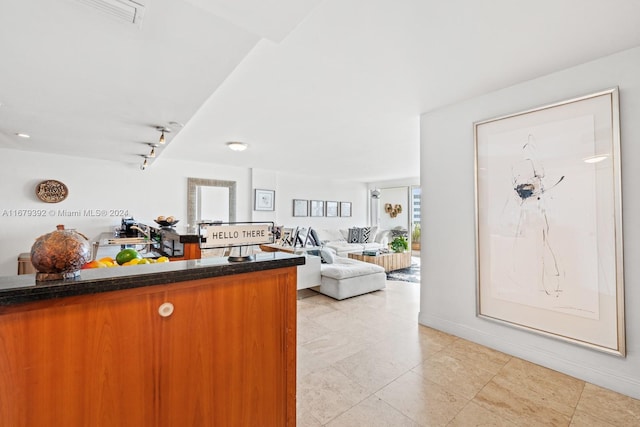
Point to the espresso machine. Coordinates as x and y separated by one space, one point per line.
125 228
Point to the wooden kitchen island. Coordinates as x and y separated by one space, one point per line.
187 343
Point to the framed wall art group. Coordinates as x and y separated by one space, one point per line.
549 222
319 208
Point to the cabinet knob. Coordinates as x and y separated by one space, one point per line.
165 309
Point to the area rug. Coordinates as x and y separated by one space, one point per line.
411 274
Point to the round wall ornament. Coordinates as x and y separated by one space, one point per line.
52 191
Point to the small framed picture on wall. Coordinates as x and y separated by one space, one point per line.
264 200
317 208
300 207
345 208
332 208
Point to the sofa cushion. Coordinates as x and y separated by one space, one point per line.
330 235
344 268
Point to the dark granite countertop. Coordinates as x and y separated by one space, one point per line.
24 288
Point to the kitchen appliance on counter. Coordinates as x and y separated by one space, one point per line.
125 228
171 244
167 240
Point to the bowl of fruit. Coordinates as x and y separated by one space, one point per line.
168 221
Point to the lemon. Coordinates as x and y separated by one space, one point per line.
143 261
162 259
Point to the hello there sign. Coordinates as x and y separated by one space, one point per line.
217 235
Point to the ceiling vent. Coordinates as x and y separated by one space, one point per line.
123 10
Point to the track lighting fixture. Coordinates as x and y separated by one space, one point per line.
153 150
145 163
163 130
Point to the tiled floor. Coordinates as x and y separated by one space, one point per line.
366 361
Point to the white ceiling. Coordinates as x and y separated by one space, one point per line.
323 87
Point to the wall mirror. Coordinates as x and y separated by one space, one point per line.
210 200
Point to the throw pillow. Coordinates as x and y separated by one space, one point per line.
354 235
372 234
365 233
315 240
326 256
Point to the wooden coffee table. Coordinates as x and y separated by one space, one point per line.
390 261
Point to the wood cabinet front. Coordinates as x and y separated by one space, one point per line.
211 352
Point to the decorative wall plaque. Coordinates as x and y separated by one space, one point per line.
52 191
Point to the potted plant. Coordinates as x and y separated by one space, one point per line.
415 237
399 244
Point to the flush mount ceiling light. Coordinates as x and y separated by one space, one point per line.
237 146
23 135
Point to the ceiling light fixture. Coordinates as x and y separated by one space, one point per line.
145 163
23 135
237 146
162 129
153 149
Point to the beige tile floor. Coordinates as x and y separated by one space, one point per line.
366 361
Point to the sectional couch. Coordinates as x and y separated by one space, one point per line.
343 242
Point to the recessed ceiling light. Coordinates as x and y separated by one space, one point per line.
237 146
23 135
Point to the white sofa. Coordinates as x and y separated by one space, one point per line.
337 239
345 277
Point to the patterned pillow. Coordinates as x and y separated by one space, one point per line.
359 234
365 232
372 234
354 235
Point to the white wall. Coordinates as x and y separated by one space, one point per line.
377 207
291 187
394 196
95 185
448 290
160 190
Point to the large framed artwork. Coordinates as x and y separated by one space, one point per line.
548 221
